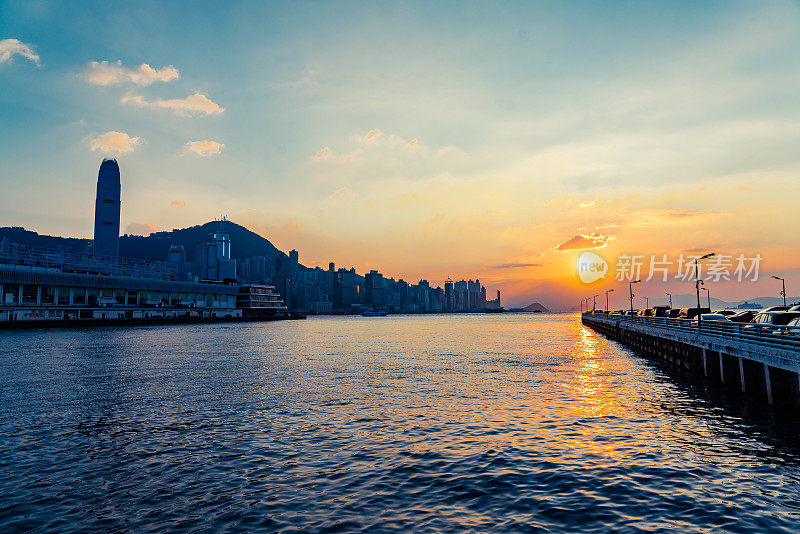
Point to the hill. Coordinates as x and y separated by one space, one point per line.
244 243
17 234
535 307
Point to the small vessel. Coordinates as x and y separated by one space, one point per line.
373 313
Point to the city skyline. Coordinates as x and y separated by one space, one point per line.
417 146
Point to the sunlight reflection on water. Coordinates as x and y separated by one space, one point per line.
451 423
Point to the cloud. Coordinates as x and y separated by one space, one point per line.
377 147
11 47
105 73
193 104
583 242
514 265
339 193
177 203
140 228
371 134
205 149
322 154
114 142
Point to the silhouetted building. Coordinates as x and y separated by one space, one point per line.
424 297
374 295
176 258
449 296
106 210
214 259
462 295
345 292
495 304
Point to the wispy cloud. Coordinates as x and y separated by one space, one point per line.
206 148
196 104
177 204
372 134
513 265
105 73
339 193
11 47
114 142
322 154
583 242
375 144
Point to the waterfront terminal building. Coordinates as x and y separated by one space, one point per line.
53 285
39 284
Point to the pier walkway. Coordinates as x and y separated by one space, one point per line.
763 360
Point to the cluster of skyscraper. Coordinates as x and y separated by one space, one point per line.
310 290
317 290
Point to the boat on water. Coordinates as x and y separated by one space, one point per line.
749 306
373 313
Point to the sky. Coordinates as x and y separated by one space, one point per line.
496 140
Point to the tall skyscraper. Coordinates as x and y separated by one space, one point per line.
106 210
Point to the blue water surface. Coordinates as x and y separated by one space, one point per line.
451 423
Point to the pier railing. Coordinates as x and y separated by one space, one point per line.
772 336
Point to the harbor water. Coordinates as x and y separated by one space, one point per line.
450 423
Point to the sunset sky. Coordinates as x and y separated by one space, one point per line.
458 139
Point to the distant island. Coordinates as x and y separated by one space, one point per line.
532 308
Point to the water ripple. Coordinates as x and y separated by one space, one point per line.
435 423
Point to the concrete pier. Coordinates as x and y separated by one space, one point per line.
762 362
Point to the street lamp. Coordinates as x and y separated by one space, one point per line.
581 306
607 292
699 282
670 299
783 291
594 303
630 288
646 302
708 294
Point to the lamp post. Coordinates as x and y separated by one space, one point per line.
670 299
581 307
708 295
783 291
594 303
630 288
699 282
607 292
646 302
